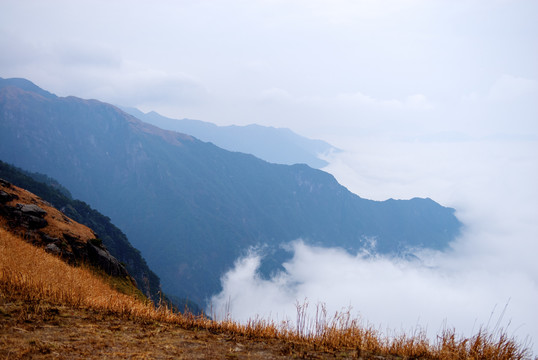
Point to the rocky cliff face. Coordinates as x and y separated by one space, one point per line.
41 224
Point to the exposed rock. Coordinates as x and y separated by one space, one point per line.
53 249
73 243
35 222
28 216
48 239
31 209
29 219
102 259
5 197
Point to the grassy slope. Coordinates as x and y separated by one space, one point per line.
114 239
49 309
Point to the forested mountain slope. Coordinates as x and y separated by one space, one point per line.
190 207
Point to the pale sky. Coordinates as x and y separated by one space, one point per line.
392 68
428 98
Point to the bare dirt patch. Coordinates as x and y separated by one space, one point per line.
44 331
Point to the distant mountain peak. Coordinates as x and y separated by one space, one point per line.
25 85
272 144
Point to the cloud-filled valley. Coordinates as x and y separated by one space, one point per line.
486 278
426 99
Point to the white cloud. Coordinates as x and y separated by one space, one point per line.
99 71
505 89
393 295
418 101
319 67
275 95
346 12
351 72
411 102
493 264
149 88
509 87
355 100
506 108
73 54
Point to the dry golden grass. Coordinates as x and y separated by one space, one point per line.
30 274
59 224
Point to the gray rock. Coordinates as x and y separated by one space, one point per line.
104 260
5 197
35 222
53 249
48 239
31 209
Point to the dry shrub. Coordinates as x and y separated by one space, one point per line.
31 274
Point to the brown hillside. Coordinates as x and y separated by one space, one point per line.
57 224
39 223
49 309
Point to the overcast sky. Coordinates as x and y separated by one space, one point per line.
323 68
428 98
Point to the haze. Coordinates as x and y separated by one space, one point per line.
432 99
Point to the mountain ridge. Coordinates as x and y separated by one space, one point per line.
275 145
39 223
192 208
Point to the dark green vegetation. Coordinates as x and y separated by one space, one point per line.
276 145
191 207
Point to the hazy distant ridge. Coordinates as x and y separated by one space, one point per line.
276 145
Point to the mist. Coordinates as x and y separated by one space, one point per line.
428 99
487 278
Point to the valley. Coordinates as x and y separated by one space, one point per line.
192 208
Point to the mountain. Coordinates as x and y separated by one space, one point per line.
113 239
193 208
275 145
25 214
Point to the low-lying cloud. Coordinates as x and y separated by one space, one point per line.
489 276
390 293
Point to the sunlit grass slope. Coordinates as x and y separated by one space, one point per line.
30 274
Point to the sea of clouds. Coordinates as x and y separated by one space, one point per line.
487 278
